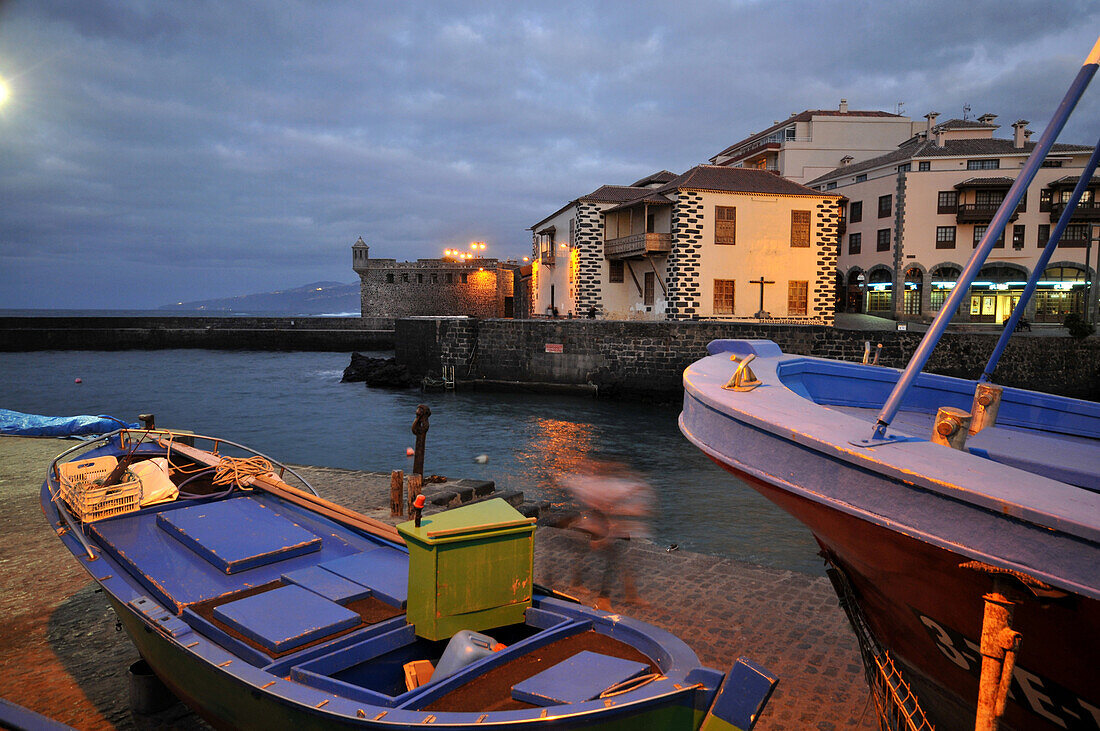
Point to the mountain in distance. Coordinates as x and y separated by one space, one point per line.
318 298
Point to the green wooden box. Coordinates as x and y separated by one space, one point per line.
469 568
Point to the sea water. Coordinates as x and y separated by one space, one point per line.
293 407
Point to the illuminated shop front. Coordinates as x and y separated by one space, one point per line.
943 281
1062 291
879 294
996 292
914 283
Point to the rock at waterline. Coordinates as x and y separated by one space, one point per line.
377 372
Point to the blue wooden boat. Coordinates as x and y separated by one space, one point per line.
263 606
960 520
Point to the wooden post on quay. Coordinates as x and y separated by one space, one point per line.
397 487
420 429
416 481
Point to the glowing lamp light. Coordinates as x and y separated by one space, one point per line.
527 258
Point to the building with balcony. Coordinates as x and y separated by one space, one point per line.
713 243
567 250
479 287
913 217
813 142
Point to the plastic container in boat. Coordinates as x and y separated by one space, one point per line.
464 648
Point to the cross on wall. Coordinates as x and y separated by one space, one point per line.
762 313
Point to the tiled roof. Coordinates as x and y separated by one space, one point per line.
612 194
735 180
804 116
1070 180
603 194
662 176
915 148
965 124
990 182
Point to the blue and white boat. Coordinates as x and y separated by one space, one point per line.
960 520
263 606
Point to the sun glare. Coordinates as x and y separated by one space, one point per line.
5 92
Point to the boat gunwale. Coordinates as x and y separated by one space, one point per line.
890 457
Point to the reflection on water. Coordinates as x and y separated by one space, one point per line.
293 407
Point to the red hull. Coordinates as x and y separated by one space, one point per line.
927 612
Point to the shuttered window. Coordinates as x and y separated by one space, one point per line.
723 296
725 225
797 297
800 228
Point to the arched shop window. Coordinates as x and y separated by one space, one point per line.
878 291
914 283
857 282
943 281
995 292
1062 290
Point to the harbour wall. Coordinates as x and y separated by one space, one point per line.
215 333
621 357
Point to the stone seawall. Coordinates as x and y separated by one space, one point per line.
650 357
216 333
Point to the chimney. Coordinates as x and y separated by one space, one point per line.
987 118
846 161
843 106
931 117
1027 136
1019 133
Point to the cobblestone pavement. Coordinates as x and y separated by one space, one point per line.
61 656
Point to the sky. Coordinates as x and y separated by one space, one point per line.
154 151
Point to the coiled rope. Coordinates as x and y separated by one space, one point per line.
239 471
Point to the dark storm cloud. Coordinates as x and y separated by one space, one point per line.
154 152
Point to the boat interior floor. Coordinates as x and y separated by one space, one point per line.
491 690
1069 458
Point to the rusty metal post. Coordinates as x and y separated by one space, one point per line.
951 427
416 482
420 429
397 489
998 647
983 410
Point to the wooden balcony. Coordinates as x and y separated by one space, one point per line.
637 245
980 212
547 257
1085 212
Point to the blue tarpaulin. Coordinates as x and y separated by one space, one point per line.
33 425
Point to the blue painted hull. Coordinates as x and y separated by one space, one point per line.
900 519
156 582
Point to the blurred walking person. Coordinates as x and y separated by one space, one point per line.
615 506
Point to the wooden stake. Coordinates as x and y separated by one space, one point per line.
415 483
397 487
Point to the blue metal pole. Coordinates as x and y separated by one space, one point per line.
1041 264
996 228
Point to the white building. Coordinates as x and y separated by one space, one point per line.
913 217
813 142
713 243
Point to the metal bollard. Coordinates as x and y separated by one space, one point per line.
951 427
987 400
